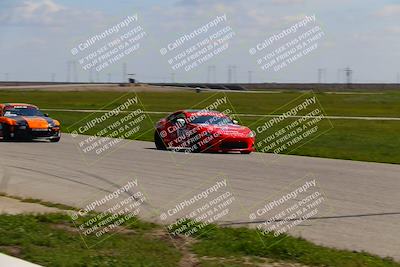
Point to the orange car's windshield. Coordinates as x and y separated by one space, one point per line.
28 112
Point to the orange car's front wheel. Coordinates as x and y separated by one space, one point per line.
4 132
55 140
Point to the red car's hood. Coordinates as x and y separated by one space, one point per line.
229 129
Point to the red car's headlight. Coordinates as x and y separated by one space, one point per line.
251 134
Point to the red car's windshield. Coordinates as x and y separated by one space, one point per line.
213 120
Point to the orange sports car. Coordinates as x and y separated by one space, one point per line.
27 122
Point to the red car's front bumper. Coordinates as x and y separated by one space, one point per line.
230 144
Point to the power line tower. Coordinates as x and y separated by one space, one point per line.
6 76
339 76
91 75
349 75
321 75
229 74
250 78
214 73
109 77
232 74
211 74
234 68
124 73
172 77
68 71
209 70
53 77
75 71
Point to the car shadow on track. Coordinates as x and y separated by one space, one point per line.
24 141
203 152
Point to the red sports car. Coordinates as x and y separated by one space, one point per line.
200 131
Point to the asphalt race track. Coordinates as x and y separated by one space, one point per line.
362 210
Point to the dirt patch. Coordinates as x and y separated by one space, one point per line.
64 227
182 243
251 261
14 251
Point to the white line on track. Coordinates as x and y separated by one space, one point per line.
243 115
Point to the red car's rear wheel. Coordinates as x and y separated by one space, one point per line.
158 141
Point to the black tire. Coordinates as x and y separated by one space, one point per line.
159 142
5 132
197 148
55 140
245 152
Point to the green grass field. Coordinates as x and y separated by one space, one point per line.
365 140
52 240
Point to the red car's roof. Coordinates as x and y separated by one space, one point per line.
190 113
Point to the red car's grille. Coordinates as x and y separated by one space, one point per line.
233 145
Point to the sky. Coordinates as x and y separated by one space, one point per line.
36 38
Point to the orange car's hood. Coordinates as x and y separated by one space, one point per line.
36 122
33 122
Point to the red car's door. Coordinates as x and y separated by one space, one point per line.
173 129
